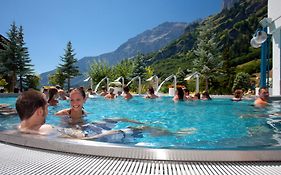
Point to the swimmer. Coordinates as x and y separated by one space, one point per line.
150 93
76 112
263 98
53 93
111 94
238 93
127 95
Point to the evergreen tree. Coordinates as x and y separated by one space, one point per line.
139 67
68 66
208 60
24 66
31 81
14 59
9 57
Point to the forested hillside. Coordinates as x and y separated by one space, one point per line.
226 39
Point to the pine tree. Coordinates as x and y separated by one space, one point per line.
24 66
68 66
139 67
9 57
208 60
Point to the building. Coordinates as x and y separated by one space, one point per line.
274 28
2 39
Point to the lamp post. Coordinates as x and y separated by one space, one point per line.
262 39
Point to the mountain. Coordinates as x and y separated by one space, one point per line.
233 29
146 42
228 4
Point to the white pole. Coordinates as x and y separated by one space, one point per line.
91 83
139 85
175 83
122 82
197 83
107 84
157 81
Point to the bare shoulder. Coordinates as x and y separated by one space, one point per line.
260 103
62 112
46 129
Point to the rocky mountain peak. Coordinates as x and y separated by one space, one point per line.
227 4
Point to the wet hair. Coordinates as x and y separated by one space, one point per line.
126 89
52 93
238 93
151 90
28 102
197 95
206 94
180 93
262 89
186 91
81 91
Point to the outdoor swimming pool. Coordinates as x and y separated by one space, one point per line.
216 124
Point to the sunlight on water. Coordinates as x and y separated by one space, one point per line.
216 124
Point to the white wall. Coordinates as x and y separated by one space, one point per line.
274 13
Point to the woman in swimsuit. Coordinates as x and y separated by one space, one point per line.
76 112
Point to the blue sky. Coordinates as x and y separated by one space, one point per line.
93 26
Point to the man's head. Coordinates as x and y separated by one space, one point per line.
28 103
126 89
263 93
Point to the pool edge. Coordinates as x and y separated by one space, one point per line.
120 151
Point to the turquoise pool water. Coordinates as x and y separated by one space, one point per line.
215 124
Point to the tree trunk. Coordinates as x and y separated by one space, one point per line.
21 83
68 83
207 84
14 81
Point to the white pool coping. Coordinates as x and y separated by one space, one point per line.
121 151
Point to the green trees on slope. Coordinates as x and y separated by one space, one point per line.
14 59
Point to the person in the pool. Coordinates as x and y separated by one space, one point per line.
263 98
32 108
75 113
126 93
53 94
110 94
150 93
